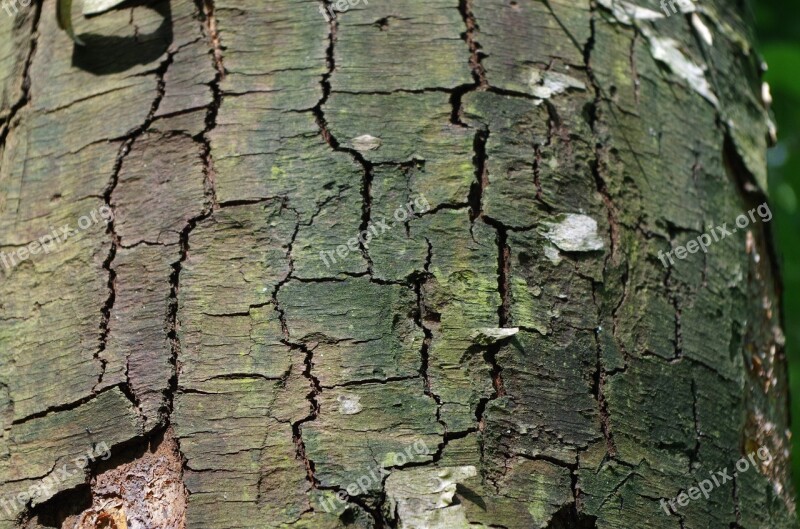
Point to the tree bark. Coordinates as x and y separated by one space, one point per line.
206 343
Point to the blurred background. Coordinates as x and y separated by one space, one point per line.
778 31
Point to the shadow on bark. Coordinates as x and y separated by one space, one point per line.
568 517
108 54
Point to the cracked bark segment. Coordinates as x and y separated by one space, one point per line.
397 251
535 156
219 278
43 445
277 52
138 350
241 460
548 287
633 148
326 245
160 188
527 495
708 331
51 342
427 36
460 297
547 410
186 82
264 163
735 71
622 494
358 330
445 148
522 39
227 346
392 417
14 53
642 306
651 406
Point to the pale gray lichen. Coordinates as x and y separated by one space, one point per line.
702 29
95 7
422 498
490 335
626 13
574 233
551 252
349 404
546 84
365 142
667 51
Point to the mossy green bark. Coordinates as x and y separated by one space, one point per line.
523 326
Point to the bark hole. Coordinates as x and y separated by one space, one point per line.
139 489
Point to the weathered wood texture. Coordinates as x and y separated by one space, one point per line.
243 381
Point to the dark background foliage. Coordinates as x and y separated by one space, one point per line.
778 29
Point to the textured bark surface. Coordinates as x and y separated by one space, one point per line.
240 381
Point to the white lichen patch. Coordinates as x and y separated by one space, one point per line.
574 233
551 252
94 7
547 84
627 13
422 498
667 51
349 404
490 335
365 142
702 29
766 93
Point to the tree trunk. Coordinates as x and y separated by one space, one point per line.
388 264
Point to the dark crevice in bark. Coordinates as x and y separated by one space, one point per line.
297 426
694 456
333 143
65 407
25 98
600 374
568 517
503 275
478 71
420 317
481 174
116 241
751 197
206 8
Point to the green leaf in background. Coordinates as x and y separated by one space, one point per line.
64 18
783 59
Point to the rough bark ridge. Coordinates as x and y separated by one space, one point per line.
240 381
